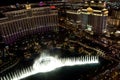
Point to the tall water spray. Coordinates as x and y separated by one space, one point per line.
48 63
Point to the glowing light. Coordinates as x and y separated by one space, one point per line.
41 3
28 6
48 63
117 31
52 7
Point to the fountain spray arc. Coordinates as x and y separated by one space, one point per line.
48 63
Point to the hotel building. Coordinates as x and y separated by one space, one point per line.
28 21
89 18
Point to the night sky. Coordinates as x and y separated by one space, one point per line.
8 2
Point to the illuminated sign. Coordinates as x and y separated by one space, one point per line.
41 3
52 7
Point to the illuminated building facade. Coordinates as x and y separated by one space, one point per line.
115 18
89 18
28 21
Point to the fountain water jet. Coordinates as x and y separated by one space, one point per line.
48 63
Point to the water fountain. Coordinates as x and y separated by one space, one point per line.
48 63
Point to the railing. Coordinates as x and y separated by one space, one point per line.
11 64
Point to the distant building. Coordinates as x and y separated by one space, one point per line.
97 19
89 18
115 18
